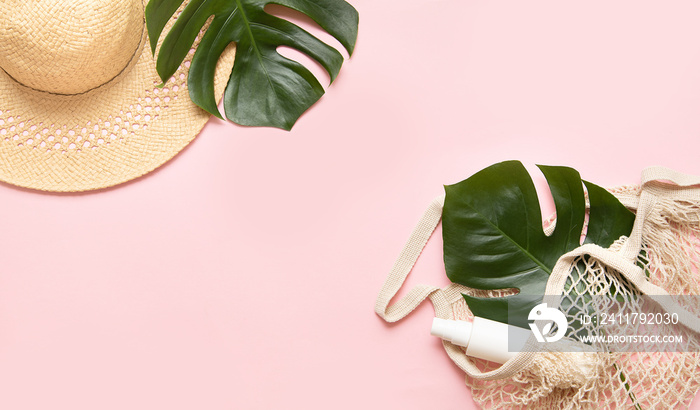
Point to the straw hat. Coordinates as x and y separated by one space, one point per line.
80 106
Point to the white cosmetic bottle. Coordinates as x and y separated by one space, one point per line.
489 340
483 338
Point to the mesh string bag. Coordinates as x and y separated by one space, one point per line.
660 258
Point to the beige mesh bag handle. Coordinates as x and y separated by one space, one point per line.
653 189
440 298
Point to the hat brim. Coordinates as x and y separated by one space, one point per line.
104 137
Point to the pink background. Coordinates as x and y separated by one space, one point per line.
243 273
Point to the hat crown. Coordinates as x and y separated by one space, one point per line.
68 46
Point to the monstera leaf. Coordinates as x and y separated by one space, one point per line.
493 235
264 88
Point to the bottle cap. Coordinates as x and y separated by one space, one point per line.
455 331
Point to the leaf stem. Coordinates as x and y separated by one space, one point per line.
628 389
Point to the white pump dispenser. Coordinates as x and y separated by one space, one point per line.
483 338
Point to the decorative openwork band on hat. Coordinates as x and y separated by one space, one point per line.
80 102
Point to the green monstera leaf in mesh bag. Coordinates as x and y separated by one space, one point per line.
494 239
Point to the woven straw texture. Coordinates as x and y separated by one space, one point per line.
80 106
661 257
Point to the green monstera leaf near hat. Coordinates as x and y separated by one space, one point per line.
265 88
